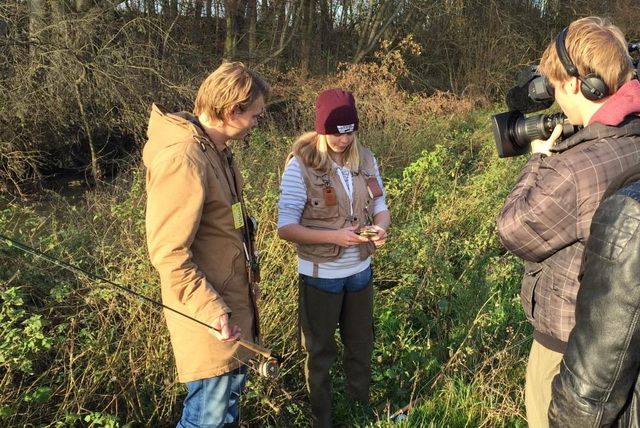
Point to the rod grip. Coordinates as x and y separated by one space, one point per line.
255 348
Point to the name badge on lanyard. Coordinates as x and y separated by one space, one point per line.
238 218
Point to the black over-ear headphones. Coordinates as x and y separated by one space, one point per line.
592 86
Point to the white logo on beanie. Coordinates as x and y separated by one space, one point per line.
344 129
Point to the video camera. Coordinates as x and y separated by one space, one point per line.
513 131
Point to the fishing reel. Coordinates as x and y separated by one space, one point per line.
270 368
399 418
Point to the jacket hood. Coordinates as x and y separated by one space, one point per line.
624 102
169 129
618 117
630 126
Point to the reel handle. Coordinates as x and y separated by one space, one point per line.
250 345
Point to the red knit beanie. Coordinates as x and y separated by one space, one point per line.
336 112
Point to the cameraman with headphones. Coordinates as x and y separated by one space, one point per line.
546 217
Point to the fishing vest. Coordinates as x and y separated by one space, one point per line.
319 213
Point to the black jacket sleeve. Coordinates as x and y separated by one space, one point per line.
600 367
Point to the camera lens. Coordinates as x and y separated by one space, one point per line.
538 127
514 132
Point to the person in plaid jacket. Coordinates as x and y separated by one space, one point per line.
546 217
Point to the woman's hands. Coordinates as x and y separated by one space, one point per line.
380 238
347 237
381 221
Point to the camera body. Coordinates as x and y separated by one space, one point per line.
513 131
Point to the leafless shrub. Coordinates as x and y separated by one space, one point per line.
79 96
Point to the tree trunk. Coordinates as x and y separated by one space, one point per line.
294 15
376 26
325 30
252 12
278 36
307 37
197 10
150 5
96 171
230 31
37 25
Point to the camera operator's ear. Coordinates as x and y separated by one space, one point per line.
592 86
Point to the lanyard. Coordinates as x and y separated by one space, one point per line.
347 182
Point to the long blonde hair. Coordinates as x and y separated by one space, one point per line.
313 149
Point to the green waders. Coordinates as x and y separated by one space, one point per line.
319 314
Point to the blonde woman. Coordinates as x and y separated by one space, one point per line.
332 206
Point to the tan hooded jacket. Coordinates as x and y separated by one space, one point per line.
194 244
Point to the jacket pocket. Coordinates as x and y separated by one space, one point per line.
227 267
321 210
366 249
323 251
532 275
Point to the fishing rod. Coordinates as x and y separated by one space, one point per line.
268 369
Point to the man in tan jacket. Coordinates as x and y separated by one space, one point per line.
199 239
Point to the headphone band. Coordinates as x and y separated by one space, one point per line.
563 55
592 86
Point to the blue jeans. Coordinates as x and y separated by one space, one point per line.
213 402
349 284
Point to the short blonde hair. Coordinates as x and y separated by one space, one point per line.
312 148
231 84
594 45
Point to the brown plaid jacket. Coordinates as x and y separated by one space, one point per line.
546 219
